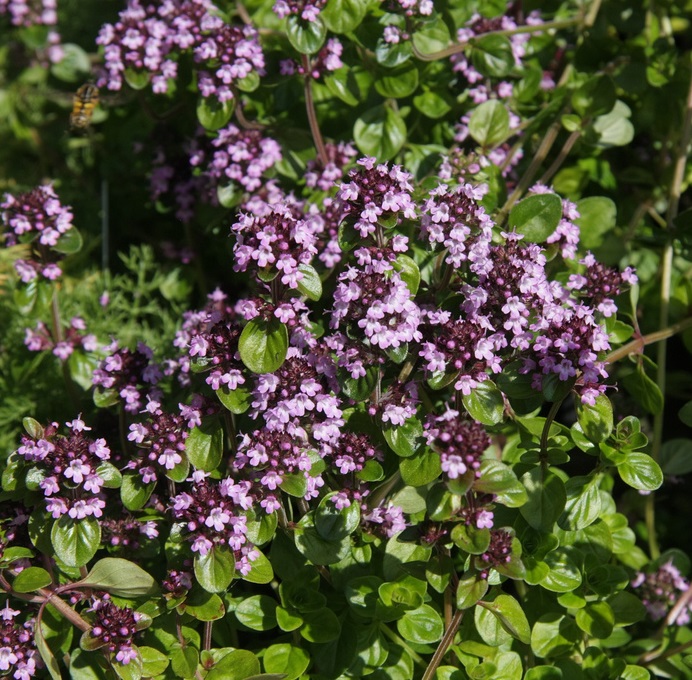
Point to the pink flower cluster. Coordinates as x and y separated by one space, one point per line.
323 177
149 39
213 513
660 590
131 374
377 193
30 12
70 466
160 441
114 628
18 654
41 339
327 59
460 442
455 219
275 241
374 298
242 156
39 219
307 10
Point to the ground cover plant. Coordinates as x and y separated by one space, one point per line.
345 338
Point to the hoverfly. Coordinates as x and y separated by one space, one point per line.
83 104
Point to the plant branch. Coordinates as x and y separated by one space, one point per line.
637 345
527 179
442 648
401 643
312 114
666 278
528 28
564 152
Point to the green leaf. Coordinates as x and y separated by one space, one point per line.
204 446
180 471
409 272
343 16
154 662
236 401
45 651
546 498
398 82
239 664
249 83
288 621
310 285
229 195
202 605
31 578
25 296
13 554
263 345
597 217
470 539
470 590
644 390
685 414
431 35
105 398
343 85
70 242
583 506
215 570
33 428
676 457
595 97
380 132
306 36
554 635
213 114
422 626
184 661
432 105
489 123
261 571
131 670
74 64
510 615
536 217
404 439
286 659
614 128
294 484
492 55
257 612
137 80
111 476
320 626
596 619
134 493
627 608
485 403
641 471
596 421
334 524
120 577
76 541
420 469
564 574
393 55
498 479
361 388
316 548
